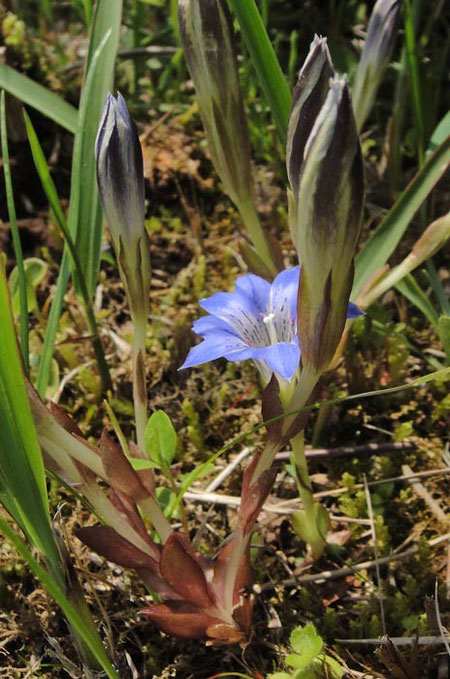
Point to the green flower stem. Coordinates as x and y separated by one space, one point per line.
311 511
140 397
298 458
257 235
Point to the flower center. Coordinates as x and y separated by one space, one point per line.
269 321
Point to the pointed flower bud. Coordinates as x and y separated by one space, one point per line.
308 98
327 215
207 36
376 54
120 178
208 43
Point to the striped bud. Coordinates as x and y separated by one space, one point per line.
308 98
120 178
327 216
376 54
208 44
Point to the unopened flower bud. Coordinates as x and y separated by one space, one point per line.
120 178
208 44
327 217
376 54
308 98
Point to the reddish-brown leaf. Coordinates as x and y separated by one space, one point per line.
105 541
181 620
118 470
181 569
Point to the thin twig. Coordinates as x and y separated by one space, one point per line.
275 508
397 641
373 448
393 479
375 549
349 570
423 493
229 469
444 637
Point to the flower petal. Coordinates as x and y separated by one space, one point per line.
285 288
354 311
211 348
283 303
255 289
283 358
208 325
241 313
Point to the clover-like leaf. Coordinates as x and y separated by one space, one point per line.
307 645
160 439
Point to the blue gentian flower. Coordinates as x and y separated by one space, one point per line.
258 321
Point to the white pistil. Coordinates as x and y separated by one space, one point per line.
271 329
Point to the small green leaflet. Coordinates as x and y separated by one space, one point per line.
160 439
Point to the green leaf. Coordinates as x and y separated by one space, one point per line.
307 645
265 62
410 289
160 439
39 97
35 271
167 500
139 464
85 216
21 467
444 334
383 242
441 132
279 675
24 339
85 219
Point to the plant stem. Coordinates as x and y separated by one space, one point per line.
298 458
139 380
257 235
314 537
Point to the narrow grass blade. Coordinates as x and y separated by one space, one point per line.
438 288
50 191
22 475
441 132
44 175
411 52
39 97
444 334
24 344
410 289
383 242
265 62
85 216
51 330
76 620
22 481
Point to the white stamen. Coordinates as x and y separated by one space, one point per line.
269 318
271 329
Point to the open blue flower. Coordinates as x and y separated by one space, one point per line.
258 321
